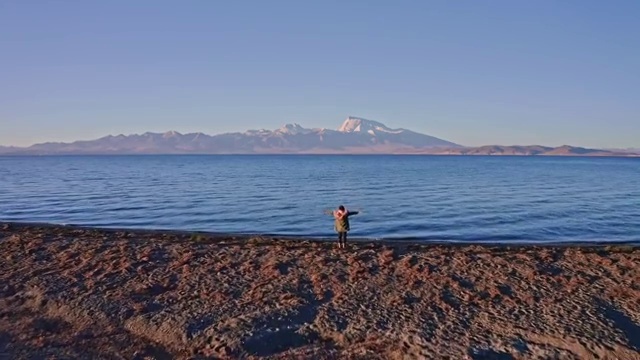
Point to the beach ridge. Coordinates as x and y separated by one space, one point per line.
76 292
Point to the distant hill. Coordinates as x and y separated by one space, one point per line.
7 149
627 150
532 150
354 136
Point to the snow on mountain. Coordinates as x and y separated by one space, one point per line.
355 124
171 134
257 132
382 134
293 129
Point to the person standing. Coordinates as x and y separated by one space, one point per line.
342 225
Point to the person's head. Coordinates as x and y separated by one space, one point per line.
341 208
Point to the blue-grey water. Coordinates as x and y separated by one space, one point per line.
423 198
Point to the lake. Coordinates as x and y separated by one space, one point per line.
420 198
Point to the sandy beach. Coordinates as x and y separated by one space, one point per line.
70 292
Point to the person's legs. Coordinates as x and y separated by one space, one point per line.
342 238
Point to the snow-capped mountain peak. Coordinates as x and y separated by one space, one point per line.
356 124
293 129
170 134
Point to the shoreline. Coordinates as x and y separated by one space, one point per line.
79 292
320 239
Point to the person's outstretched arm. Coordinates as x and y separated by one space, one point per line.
353 213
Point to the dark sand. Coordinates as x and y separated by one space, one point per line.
85 293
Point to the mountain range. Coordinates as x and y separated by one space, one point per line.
355 136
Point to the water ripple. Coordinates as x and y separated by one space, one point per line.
423 198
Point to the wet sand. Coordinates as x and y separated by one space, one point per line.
86 293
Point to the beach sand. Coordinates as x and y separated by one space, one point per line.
69 292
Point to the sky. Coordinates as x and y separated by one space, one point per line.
473 72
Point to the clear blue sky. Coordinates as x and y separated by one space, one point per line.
473 72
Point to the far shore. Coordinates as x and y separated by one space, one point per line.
604 155
82 292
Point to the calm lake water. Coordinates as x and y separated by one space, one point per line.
424 198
